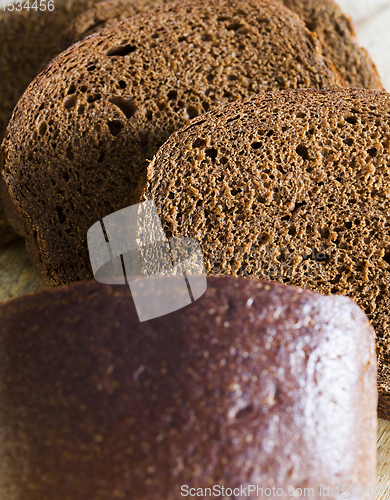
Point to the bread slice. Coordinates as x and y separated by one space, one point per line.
29 39
252 384
291 186
81 135
102 15
337 35
334 29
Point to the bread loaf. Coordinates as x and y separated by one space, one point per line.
38 40
81 135
253 384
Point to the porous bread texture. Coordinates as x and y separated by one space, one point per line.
30 39
334 29
102 15
336 33
254 383
81 135
291 186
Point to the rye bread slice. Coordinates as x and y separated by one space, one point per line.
334 29
254 383
102 15
337 35
83 132
29 39
291 186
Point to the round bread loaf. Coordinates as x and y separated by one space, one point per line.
81 135
334 29
291 186
337 35
252 384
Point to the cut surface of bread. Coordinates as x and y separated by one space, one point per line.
336 33
81 135
334 29
102 15
291 186
254 383
29 39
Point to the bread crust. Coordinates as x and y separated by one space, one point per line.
254 383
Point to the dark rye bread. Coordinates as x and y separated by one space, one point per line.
29 39
334 29
102 15
337 35
291 186
254 383
81 135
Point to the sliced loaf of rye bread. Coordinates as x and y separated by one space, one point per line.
292 186
81 135
254 383
334 29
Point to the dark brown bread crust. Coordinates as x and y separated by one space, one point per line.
29 39
292 186
337 35
81 135
253 383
